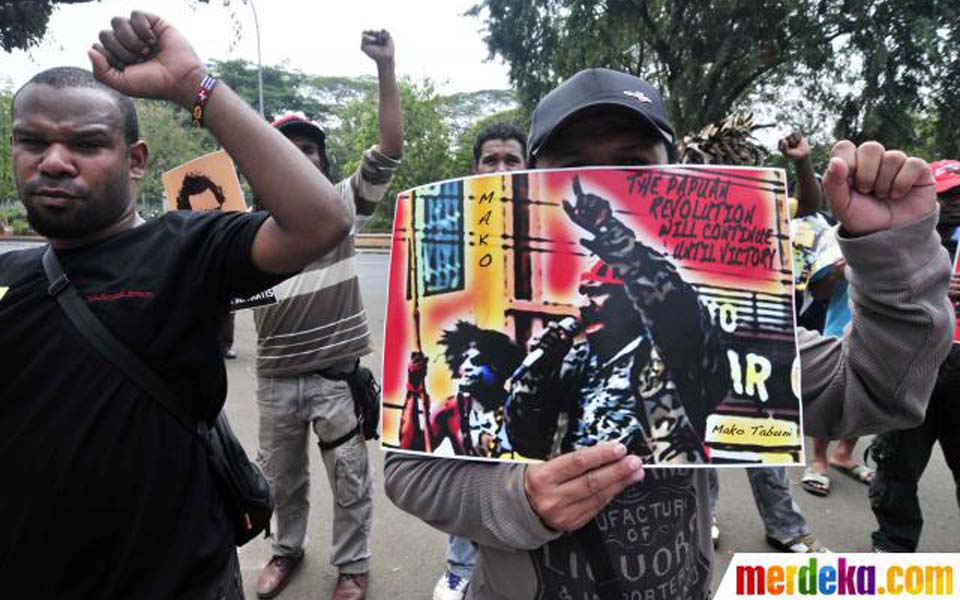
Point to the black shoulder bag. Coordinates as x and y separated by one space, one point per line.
366 402
245 490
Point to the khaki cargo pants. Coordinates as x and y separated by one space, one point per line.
289 406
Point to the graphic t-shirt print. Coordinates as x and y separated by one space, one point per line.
650 533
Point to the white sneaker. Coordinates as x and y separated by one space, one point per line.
715 532
450 587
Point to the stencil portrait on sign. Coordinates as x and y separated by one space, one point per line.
531 314
210 184
206 183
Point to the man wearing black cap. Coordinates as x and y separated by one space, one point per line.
644 325
653 527
307 342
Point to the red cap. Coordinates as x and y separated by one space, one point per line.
600 273
298 123
947 174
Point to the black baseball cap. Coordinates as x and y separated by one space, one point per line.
298 123
591 88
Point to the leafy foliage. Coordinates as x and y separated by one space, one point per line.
23 23
426 145
7 189
869 65
172 141
283 89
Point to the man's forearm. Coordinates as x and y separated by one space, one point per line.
531 411
809 194
879 376
308 214
484 502
389 112
668 305
682 329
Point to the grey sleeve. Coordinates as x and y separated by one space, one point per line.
482 501
370 181
879 375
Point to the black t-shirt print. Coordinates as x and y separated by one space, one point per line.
105 495
652 538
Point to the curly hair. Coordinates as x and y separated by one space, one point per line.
197 183
496 349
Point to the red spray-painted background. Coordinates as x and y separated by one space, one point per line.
724 228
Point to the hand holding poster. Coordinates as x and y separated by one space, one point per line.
534 313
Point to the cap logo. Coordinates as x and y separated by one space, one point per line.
640 96
948 169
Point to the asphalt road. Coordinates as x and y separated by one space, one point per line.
408 556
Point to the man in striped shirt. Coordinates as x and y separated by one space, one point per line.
315 333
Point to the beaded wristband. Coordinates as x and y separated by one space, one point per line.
202 97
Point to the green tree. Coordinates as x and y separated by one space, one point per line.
13 217
946 110
23 23
8 191
710 56
172 141
283 89
902 52
426 146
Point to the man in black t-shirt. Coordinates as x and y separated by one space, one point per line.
104 494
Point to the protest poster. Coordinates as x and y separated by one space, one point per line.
533 313
805 234
210 183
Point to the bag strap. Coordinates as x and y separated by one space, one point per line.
348 377
340 375
65 293
607 583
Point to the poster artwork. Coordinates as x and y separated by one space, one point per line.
533 313
206 183
210 183
806 234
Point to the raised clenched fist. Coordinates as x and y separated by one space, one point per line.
872 189
145 56
589 211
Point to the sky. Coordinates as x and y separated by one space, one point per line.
318 37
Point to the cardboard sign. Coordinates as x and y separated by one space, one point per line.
206 183
533 313
211 183
805 234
